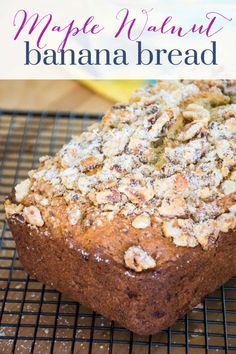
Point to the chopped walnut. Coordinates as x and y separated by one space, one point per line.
22 189
231 125
118 166
206 193
172 207
33 216
138 260
226 222
181 231
71 157
141 196
170 154
115 142
225 171
74 215
187 153
86 183
44 159
119 113
207 210
191 130
90 162
206 230
136 191
181 183
233 176
41 200
69 177
44 202
219 130
165 185
110 120
171 229
229 187
11 208
128 209
232 208
136 145
108 196
223 148
229 114
195 112
157 127
141 222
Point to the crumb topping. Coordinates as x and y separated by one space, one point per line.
33 216
22 190
167 158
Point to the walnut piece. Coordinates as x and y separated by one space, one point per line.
137 190
180 230
222 148
172 207
90 162
33 216
158 126
195 112
115 143
191 130
232 209
231 125
229 187
22 190
141 222
181 183
204 230
205 193
226 222
12 209
137 195
74 215
233 176
108 196
138 260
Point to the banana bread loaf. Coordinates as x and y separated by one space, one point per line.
136 218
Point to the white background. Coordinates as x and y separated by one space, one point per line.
185 12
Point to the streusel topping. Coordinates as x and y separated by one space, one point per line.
168 158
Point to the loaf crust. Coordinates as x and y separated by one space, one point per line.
89 268
136 217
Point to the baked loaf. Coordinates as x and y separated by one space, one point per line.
136 218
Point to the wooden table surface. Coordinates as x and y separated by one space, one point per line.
69 95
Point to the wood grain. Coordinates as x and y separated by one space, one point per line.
49 95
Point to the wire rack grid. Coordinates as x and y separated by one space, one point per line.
37 319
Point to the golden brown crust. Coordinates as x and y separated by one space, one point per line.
89 268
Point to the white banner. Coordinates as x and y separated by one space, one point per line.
117 39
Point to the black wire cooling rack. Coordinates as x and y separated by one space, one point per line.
37 319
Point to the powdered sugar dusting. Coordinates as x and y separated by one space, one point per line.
170 155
